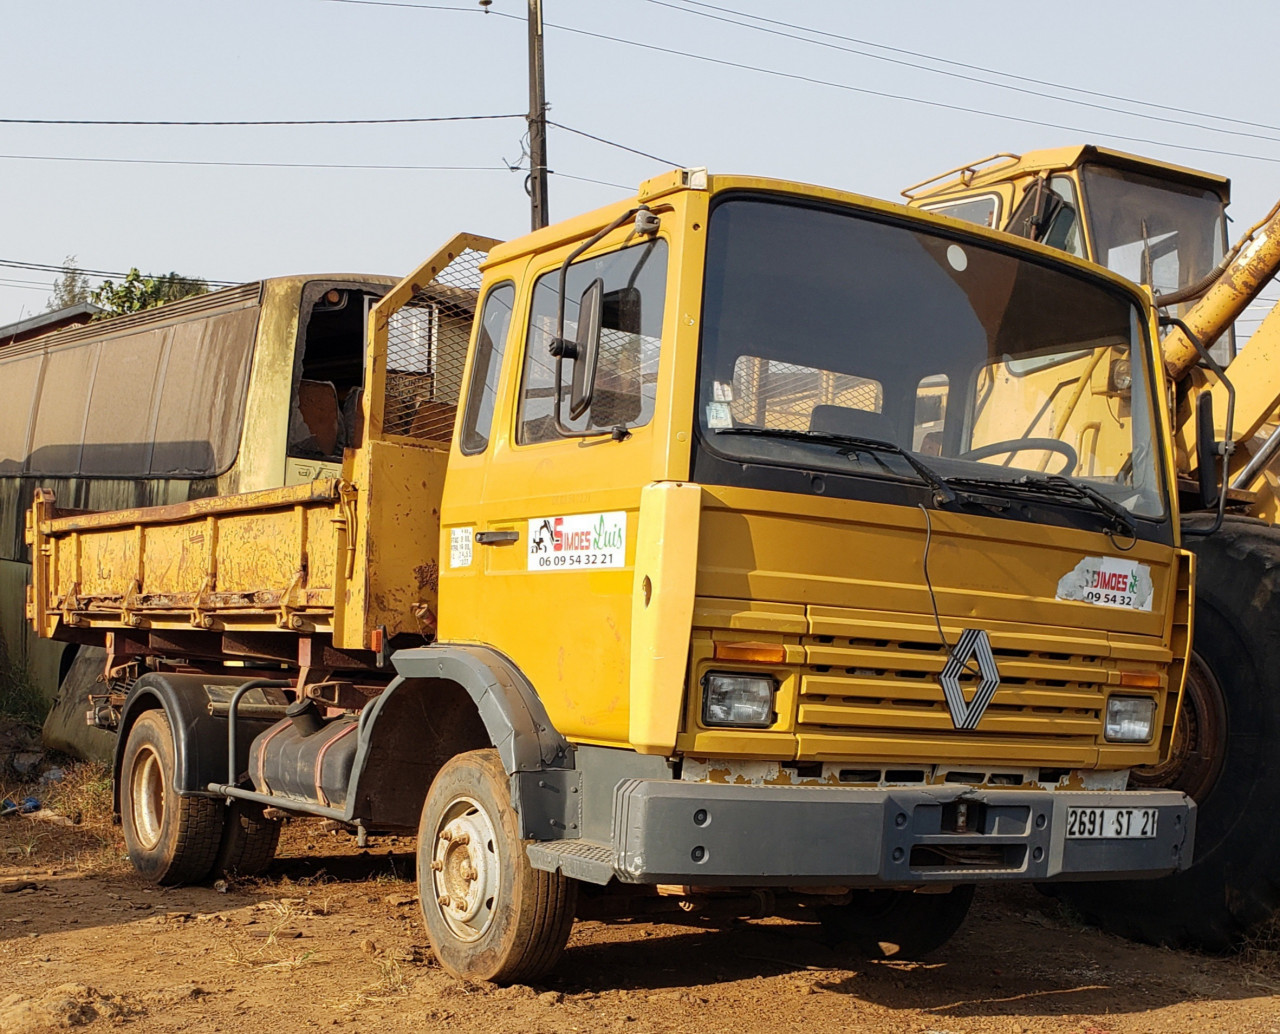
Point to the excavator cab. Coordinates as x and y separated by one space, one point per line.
1156 224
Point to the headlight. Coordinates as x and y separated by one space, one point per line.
744 700
1129 719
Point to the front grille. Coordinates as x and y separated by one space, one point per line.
882 686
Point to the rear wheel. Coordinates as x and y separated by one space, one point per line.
490 915
170 839
249 841
1224 756
896 924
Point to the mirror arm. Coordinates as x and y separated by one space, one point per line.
562 349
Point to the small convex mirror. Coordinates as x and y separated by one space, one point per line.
587 349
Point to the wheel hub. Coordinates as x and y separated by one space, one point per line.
464 868
146 792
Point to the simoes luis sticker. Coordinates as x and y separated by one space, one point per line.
1108 582
578 542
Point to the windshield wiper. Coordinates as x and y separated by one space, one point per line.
1061 487
943 493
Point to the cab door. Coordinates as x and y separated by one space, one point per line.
549 516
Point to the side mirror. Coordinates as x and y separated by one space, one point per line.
586 349
1207 451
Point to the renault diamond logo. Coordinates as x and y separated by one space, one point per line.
973 644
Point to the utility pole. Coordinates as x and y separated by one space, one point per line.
537 120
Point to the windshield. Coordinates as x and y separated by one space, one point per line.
822 324
1153 231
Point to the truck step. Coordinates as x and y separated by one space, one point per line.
578 859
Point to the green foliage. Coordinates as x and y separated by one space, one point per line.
72 288
137 292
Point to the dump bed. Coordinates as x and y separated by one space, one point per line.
313 559
279 558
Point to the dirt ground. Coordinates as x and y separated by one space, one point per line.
332 938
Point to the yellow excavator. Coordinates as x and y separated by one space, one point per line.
1164 226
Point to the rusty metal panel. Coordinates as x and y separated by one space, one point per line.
260 551
396 563
322 563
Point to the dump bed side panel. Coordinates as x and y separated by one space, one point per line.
262 560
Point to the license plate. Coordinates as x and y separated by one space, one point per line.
1111 823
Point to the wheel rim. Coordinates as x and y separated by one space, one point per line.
1199 739
146 793
465 870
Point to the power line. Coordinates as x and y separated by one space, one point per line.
315 165
418 7
611 143
257 122
31 283
886 94
895 96
992 71
44 267
253 165
588 179
943 71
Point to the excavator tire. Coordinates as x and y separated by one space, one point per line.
1226 756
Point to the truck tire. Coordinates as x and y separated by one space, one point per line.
897 924
490 915
170 839
1224 756
249 841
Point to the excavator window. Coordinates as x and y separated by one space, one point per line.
983 209
1050 214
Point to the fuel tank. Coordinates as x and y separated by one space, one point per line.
305 756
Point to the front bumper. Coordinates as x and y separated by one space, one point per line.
732 835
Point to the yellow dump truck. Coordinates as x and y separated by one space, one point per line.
1165 226
692 561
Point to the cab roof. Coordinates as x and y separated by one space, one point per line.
999 168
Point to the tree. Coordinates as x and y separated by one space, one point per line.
137 292
72 288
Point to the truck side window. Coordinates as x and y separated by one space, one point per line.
635 281
486 366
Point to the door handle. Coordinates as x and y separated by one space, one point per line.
497 538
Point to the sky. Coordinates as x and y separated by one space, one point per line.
871 97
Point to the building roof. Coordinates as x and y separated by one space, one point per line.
48 323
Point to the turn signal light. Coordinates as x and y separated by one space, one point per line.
1140 679
759 653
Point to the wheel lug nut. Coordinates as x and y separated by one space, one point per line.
446 836
443 899
462 838
436 865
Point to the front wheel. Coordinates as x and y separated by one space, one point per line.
490 915
170 839
896 924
